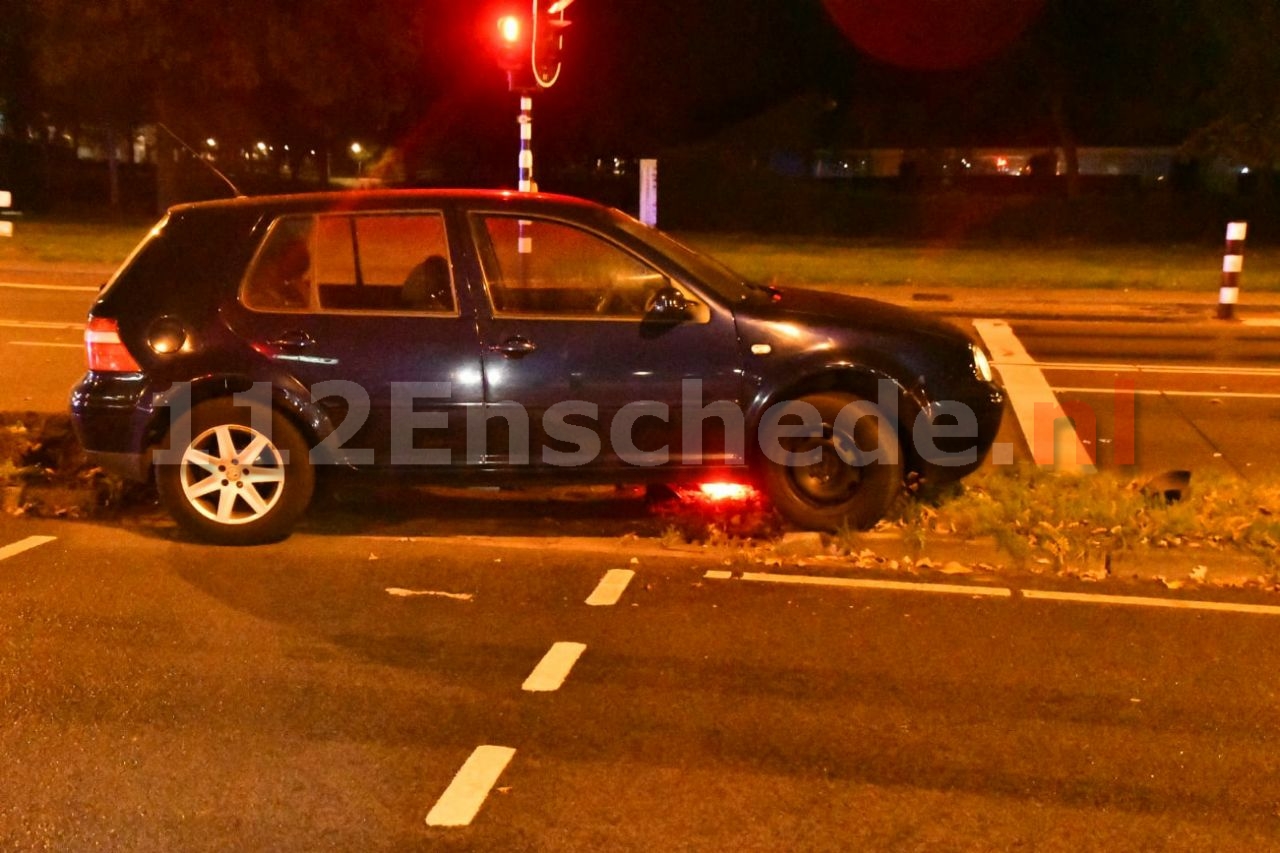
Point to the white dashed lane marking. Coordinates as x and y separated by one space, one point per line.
550 673
24 545
461 801
611 587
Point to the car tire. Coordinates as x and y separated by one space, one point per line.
854 480
232 484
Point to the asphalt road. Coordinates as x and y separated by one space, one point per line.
362 685
327 693
42 316
1160 396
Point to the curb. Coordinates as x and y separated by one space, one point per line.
888 554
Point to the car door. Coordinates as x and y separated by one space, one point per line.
360 312
577 374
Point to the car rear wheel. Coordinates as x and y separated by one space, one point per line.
234 482
848 473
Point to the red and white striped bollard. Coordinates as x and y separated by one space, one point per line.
1232 264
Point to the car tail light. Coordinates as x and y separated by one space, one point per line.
106 352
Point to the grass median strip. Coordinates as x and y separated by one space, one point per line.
1074 524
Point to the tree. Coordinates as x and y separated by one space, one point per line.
1242 104
301 72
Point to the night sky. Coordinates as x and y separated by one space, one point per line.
640 76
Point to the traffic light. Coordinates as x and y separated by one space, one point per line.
513 43
528 48
548 39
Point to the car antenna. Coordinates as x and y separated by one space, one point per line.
204 162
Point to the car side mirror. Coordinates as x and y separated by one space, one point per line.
668 305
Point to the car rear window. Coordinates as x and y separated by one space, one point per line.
148 257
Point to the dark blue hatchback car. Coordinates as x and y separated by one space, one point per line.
499 338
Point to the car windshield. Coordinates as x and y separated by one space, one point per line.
721 279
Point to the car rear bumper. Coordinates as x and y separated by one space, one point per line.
110 421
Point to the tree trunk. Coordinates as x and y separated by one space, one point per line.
113 168
1066 139
168 178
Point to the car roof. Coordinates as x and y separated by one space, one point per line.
382 199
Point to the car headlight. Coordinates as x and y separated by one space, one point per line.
981 364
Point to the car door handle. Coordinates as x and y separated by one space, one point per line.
292 341
516 347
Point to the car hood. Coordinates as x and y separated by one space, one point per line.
824 308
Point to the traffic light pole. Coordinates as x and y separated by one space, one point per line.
524 228
525 175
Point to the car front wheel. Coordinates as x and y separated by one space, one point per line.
845 472
236 482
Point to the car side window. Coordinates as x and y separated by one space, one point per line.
386 262
542 267
280 278
383 262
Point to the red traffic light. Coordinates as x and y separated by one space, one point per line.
512 49
509 29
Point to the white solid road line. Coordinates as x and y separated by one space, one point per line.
1033 401
1187 369
1141 601
611 587
550 673
1156 392
69 288
24 545
1000 592
462 800
45 344
868 583
39 324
